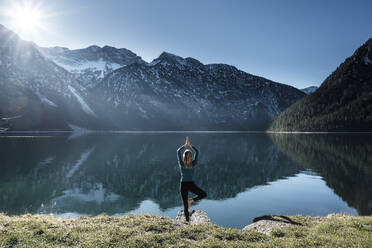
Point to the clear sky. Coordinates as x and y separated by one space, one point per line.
296 42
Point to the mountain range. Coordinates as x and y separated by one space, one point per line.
105 88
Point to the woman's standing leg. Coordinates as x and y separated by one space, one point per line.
184 194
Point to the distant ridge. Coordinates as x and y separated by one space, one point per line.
309 90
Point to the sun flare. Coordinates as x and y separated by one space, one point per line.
27 19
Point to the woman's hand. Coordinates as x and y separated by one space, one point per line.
187 141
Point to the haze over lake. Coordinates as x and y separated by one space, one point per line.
245 174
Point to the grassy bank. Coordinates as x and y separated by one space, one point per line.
157 231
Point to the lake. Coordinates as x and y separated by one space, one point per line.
244 174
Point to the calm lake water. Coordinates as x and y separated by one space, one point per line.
245 174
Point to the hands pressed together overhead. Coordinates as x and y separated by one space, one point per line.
187 141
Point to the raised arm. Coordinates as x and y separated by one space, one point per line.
195 161
179 155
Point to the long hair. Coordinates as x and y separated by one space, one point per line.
187 159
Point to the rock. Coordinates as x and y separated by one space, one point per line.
267 223
196 217
265 226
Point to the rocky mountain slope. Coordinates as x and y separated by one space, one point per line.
342 103
181 93
43 94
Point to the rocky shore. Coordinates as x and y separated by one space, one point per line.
264 224
336 230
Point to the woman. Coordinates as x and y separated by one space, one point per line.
187 166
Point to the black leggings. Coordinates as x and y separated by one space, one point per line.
185 188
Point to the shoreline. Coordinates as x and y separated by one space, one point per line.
184 131
145 230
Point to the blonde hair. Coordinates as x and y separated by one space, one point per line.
186 161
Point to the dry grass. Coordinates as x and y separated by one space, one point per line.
157 231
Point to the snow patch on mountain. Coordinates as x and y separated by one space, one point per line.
46 100
83 104
82 66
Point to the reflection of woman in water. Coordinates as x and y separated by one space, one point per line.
187 166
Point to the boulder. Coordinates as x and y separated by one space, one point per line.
266 226
267 223
196 217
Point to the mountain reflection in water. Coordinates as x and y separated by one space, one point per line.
343 160
116 173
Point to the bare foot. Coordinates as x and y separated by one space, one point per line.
189 203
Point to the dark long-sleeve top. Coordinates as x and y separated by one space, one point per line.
187 174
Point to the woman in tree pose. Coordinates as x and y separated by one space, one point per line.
187 166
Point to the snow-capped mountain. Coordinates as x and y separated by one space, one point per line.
182 93
43 93
309 89
91 64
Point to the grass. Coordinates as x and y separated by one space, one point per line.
157 231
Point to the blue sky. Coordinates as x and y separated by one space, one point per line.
294 42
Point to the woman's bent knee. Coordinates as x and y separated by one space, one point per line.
204 194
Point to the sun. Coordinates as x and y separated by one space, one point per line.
26 18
